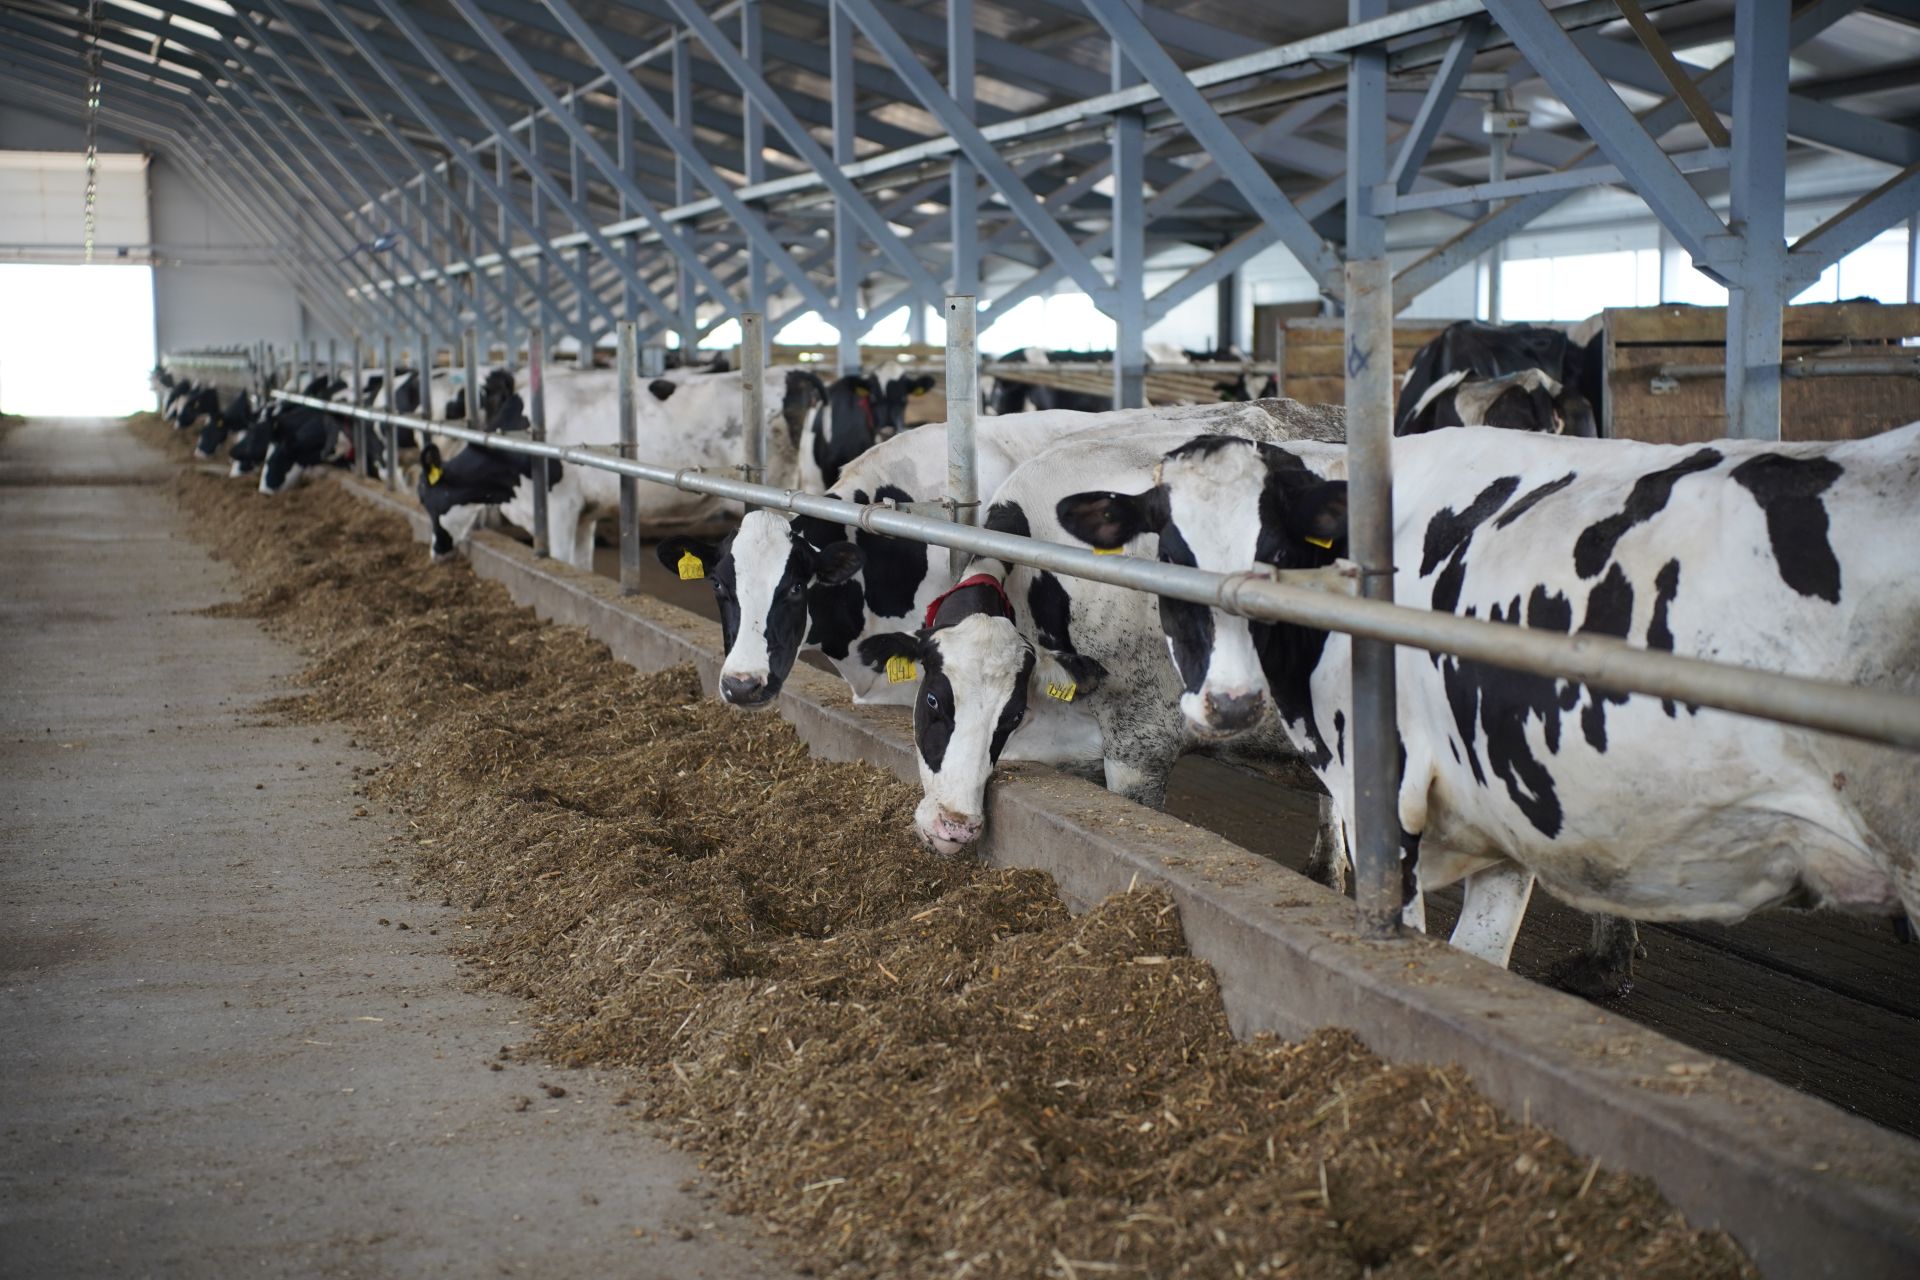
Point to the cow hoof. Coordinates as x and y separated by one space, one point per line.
1592 977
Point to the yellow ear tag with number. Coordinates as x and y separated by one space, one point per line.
1063 692
901 669
1325 544
691 570
1109 551
433 475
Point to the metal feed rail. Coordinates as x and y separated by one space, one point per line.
1609 664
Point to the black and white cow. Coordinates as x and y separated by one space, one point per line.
302 438
1530 400
789 586
1783 557
845 418
200 400
237 415
1012 644
1470 351
1004 395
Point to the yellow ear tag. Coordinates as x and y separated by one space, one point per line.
433 475
1063 692
691 570
918 391
900 670
1325 544
1109 551
862 392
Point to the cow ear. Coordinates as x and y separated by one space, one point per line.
837 562
1064 676
673 552
1107 520
662 389
882 647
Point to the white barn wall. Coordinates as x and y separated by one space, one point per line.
194 306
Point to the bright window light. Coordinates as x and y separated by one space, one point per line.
75 341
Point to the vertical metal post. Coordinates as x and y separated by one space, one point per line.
1375 822
963 194
627 361
313 355
542 266
1226 312
1913 258
846 234
423 377
1129 305
537 416
392 449
333 363
577 165
683 191
470 389
753 141
963 404
653 360
1497 256
503 174
753 396
360 460
1757 214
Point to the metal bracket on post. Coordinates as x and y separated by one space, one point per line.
753 396
627 363
963 405
537 405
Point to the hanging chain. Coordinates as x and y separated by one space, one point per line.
93 121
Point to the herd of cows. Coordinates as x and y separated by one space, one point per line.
1789 557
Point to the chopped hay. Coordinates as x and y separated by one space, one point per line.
909 1066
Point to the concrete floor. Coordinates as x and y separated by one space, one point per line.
221 1053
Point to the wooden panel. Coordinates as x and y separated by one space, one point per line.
1810 408
1823 322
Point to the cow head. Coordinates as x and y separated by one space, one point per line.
201 401
978 674
900 393
237 416
766 579
1225 505
845 417
498 402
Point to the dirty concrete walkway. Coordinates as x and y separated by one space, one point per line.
221 1051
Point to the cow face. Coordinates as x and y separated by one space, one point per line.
1227 506
202 401
764 580
237 416
899 394
978 675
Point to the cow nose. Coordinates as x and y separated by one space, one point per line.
743 691
1235 711
957 828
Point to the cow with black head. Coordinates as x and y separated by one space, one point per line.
1774 556
1529 377
477 475
302 438
238 415
843 419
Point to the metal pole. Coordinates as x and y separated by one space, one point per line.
963 403
1872 714
963 195
1913 258
470 393
1129 305
1756 212
333 360
361 463
627 361
537 415
753 396
846 233
1497 256
393 429
423 383
1369 391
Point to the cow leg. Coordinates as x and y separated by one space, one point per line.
585 528
1490 915
1327 864
1604 971
1138 770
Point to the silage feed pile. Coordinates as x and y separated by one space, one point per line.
906 1066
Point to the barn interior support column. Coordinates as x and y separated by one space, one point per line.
1226 311
683 193
1913 258
846 240
503 174
583 256
963 195
1757 214
1375 831
753 143
1129 237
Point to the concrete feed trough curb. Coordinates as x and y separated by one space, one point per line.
1807 1189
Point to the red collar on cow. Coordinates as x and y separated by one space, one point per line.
977 580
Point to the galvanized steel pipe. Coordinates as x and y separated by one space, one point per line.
627 363
963 407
